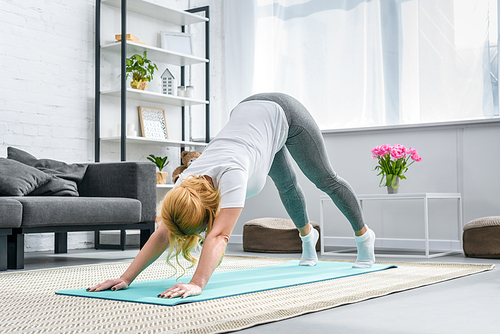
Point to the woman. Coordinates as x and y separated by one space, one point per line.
264 133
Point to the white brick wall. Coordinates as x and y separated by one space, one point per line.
46 91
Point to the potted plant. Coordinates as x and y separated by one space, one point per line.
393 164
142 70
161 177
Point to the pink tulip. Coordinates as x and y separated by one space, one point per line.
375 151
378 151
384 149
415 157
411 151
398 151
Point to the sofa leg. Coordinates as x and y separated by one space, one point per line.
123 239
61 242
97 236
15 251
146 233
3 252
121 246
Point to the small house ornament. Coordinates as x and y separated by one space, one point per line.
168 82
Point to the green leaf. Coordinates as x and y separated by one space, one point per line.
389 178
140 67
382 183
158 161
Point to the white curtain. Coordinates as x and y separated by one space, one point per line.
357 63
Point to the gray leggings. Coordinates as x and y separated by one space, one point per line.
307 147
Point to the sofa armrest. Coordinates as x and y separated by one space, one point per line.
122 179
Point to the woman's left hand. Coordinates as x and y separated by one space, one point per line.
183 290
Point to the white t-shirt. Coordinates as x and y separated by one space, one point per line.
239 158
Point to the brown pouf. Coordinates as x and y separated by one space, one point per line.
273 235
482 238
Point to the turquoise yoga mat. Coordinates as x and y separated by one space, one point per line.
231 283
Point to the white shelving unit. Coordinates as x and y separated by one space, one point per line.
127 48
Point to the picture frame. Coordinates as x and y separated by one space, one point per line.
179 42
153 123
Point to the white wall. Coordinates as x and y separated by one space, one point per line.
46 61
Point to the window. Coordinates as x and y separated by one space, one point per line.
367 63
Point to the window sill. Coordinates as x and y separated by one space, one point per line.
422 126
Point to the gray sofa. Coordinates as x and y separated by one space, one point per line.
77 197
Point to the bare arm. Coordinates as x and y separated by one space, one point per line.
211 253
154 247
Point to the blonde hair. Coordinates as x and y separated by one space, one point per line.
187 211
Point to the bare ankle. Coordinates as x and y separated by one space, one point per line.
305 230
361 232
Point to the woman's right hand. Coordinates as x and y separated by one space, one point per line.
156 245
113 284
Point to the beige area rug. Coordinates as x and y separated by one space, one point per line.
28 303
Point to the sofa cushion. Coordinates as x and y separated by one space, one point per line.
11 213
64 176
18 179
73 172
67 211
56 187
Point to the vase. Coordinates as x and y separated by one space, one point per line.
139 84
391 189
161 177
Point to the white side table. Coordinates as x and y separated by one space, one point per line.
384 197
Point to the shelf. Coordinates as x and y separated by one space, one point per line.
156 54
166 186
149 9
143 140
142 95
